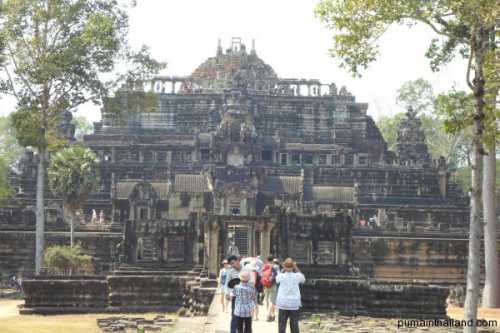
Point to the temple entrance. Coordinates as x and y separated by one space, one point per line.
239 239
244 236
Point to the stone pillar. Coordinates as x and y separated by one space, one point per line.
265 240
213 246
113 154
244 207
173 87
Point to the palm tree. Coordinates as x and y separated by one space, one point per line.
73 173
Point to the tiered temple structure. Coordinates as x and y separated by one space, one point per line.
235 159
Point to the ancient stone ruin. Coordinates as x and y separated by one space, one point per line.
236 160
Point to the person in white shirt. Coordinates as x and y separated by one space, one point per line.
288 300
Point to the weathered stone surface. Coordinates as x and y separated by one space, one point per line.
375 298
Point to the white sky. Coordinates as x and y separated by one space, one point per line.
288 37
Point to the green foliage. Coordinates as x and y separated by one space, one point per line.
127 92
55 52
65 260
358 25
462 27
417 94
389 127
5 190
457 108
463 177
9 154
82 127
73 173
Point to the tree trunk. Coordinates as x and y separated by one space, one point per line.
491 291
40 211
475 228
473 266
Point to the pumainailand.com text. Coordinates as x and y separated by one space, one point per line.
414 323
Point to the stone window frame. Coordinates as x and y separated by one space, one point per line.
161 156
362 157
148 156
296 158
205 154
322 159
283 159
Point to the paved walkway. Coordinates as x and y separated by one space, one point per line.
218 321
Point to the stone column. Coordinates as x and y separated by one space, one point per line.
213 246
113 154
337 252
265 240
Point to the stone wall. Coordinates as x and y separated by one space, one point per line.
425 257
119 293
145 293
17 245
57 295
375 298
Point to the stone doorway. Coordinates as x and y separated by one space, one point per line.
240 240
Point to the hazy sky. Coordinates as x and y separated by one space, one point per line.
288 37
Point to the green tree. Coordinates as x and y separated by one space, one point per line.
417 94
462 27
9 154
82 127
54 52
389 126
73 173
66 260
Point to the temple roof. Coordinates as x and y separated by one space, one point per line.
283 184
191 184
234 69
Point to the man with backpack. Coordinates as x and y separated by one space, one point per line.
269 273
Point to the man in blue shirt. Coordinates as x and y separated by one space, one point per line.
244 303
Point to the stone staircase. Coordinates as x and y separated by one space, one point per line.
150 268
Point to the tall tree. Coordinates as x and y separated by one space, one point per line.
417 94
54 52
458 110
464 27
9 154
73 173
82 127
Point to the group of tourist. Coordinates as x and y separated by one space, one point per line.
246 285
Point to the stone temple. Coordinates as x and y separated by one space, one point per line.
235 159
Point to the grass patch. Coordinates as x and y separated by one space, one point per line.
12 322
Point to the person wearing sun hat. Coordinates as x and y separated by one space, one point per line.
288 300
245 302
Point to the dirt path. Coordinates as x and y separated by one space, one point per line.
8 308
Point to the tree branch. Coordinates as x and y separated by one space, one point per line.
12 87
16 67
